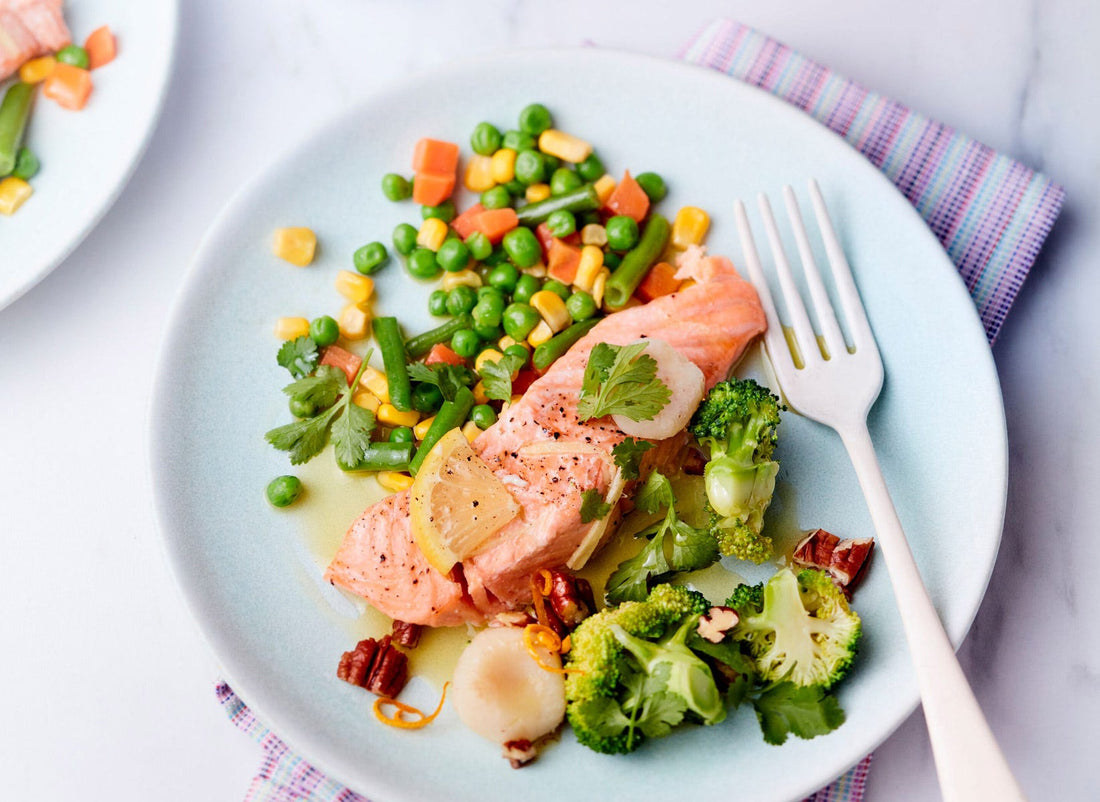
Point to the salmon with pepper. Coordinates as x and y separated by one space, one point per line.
29 28
547 458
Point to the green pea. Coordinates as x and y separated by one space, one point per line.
564 180
282 491
535 119
437 303
483 416
503 277
26 164
75 55
426 398
396 187
522 247
526 286
652 185
487 333
496 198
423 264
453 255
612 260
488 312
587 219
404 238
552 162
591 168
444 211
461 300
370 258
558 289
485 140
561 223
517 141
479 245
515 188
580 305
622 233
465 343
520 320
324 330
402 434
519 352
490 292
498 256
302 409
530 167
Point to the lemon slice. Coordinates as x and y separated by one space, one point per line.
456 503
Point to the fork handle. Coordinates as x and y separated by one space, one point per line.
970 764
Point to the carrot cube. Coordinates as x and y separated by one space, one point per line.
495 223
441 353
660 280
101 47
434 156
562 261
337 357
629 198
431 189
466 223
69 86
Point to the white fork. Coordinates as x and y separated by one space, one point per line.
838 391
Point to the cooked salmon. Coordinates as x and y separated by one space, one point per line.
29 28
547 458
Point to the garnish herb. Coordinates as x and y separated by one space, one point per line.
593 507
628 456
621 380
299 356
448 378
496 377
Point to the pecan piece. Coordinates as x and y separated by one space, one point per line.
355 665
376 665
844 560
716 623
519 753
407 635
571 597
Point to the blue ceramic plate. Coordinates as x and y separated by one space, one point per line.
252 574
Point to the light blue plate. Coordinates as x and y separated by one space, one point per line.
248 577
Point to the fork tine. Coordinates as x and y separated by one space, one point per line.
826 317
778 350
860 327
796 309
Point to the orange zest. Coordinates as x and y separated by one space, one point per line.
401 710
535 636
547 582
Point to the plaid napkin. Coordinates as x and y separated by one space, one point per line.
991 213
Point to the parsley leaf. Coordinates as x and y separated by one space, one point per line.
805 711
321 390
305 438
351 436
593 507
448 378
621 380
628 456
630 581
655 494
497 376
299 356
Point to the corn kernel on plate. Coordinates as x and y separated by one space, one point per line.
88 156
252 574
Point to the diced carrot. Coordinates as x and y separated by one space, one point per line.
495 223
545 237
435 156
101 47
431 189
629 198
523 380
466 223
441 353
562 261
69 86
660 280
337 357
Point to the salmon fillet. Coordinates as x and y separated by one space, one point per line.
29 28
546 458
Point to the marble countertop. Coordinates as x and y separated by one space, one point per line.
106 688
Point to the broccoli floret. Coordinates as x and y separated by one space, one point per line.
631 674
736 424
797 628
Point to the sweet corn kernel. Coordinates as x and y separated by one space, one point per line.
355 287
366 400
594 234
552 308
287 328
565 146
37 70
353 322
479 174
538 271
376 382
540 334
470 430
466 277
503 166
506 342
13 194
599 285
537 192
479 394
394 481
488 355
392 416
588 267
604 186
295 245
689 227
420 431
432 233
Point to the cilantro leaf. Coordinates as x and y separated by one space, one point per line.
805 711
655 494
652 707
661 712
628 456
448 378
305 438
625 385
740 670
419 372
593 507
692 548
605 715
321 390
351 436
630 581
299 356
497 376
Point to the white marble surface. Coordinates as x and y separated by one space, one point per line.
106 689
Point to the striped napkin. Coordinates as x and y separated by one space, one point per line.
991 213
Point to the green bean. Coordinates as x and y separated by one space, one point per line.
583 199
384 457
450 416
422 343
392 346
546 354
629 274
14 112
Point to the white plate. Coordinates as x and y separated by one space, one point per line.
249 577
88 156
